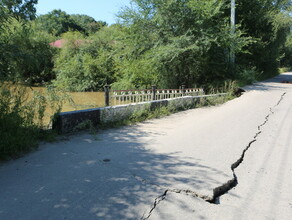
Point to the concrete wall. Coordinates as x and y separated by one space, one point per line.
68 121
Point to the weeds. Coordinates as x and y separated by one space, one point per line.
147 114
22 119
160 111
85 125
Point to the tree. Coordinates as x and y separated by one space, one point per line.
87 66
20 9
57 22
87 23
179 42
25 53
287 53
175 42
268 22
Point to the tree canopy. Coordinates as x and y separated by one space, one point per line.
24 9
268 22
58 22
168 43
88 24
184 42
25 52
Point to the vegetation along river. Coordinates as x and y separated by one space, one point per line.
73 100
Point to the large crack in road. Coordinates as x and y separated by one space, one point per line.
219 191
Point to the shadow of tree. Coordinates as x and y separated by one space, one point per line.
113 177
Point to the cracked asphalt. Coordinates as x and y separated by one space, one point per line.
224 162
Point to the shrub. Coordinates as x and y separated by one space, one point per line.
84 67
248 76
18 132
21 118
25 53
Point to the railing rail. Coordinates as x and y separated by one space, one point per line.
118 97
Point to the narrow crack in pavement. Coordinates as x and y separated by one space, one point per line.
156 202
219 191
163 196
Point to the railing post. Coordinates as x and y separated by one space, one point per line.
153 93
183 87
106 94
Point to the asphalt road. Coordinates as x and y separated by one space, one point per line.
168 168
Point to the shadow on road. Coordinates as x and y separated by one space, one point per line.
109 176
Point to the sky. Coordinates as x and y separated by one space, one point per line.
100 10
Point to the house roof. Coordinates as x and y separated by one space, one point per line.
58 43
61 43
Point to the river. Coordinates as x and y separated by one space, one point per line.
81 101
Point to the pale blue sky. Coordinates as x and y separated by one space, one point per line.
104 10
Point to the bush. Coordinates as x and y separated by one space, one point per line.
248 76
18 132
21 118
83 66
25 53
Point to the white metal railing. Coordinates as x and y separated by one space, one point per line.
118 97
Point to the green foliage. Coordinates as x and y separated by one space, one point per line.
248 76
19 8
268 22
212 101
22 116
25 53
87 66
167 43
287 53
147 114
88 24
58 22
177 42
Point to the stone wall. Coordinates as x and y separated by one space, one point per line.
67 121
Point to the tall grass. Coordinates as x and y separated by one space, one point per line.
22 118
